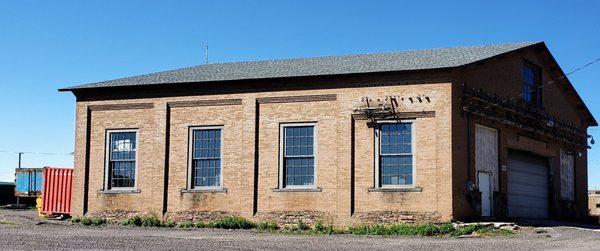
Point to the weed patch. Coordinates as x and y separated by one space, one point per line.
201 224
491 231
133 221
267 226
322 229
445 229
169 223
7 222
151 221
186 224
89 221
233 222
300 227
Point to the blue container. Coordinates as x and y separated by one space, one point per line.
28 182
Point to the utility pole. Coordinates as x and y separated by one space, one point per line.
18 167
20 154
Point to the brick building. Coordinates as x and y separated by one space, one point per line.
594 202
433 135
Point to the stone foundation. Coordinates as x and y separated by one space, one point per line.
284 217
292 217
392 217
115 215
195 216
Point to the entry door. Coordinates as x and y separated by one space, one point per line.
485 187
486 164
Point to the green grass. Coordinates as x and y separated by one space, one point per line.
201 224
267 226
186 224
402 229
151 221
300 227
233 222
492 231
446 229
133 221
323 229
7 222
148 220
169 223
89 221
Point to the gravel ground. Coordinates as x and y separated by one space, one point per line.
21 230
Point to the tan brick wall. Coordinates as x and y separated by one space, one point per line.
79 159
333 122
148 167
432 158
232 163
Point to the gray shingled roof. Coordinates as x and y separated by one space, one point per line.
332 65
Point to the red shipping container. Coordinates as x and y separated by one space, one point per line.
56 191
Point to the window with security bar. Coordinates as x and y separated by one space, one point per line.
298 155
395 152
206 157
122 155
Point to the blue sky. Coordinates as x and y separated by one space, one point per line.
45 45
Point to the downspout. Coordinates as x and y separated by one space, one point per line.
352 164
468 150
86 165
256 156
166 171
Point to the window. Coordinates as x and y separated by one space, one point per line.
298 155
394 147
206 157
122 155
532 84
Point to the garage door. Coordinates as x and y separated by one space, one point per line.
527 186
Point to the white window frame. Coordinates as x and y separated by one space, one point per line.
190 172
107 177
282 126
377 143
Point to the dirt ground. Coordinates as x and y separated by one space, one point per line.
21 230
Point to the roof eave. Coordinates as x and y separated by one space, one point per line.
75 88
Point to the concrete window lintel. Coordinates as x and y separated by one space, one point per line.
205 190
396 189
119 191
316 189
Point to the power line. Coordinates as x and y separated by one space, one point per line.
586 65
554 80
563 76
41 153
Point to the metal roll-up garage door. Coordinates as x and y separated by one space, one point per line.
528 180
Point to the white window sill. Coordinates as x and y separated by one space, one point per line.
119 191
396 189
205 190
291 189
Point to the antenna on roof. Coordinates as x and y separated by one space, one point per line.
206 55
